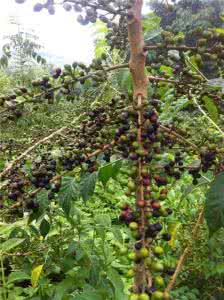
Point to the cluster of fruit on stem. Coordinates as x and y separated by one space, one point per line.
95 132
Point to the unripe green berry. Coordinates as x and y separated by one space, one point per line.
158 295
144 252
144 296
158 250
133 226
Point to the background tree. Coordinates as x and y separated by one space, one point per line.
22 52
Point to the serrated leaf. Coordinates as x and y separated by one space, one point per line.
17 276
35 275
44 227
109 171
211 108
87 185
10 244
214 205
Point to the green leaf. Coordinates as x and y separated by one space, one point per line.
109 171
219 30
182 103
103 220
117 283
42 200
75 250
10 244
88 295
117 233
151 22
214 205
69 192
124 79
87 185
17 276
35 275
211 108
166 69
62 287
44 227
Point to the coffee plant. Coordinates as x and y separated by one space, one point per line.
128 156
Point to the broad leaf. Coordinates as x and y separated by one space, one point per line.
219 30
124 79
103 220
87 295
42 200
35 275
69 191
167 70
44 227
151 22
109 171
17 276
116 230
87 185
117 283
214 206
10 244
211 108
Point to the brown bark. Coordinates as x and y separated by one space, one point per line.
140 83
138 55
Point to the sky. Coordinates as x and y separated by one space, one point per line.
63 38
61 35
